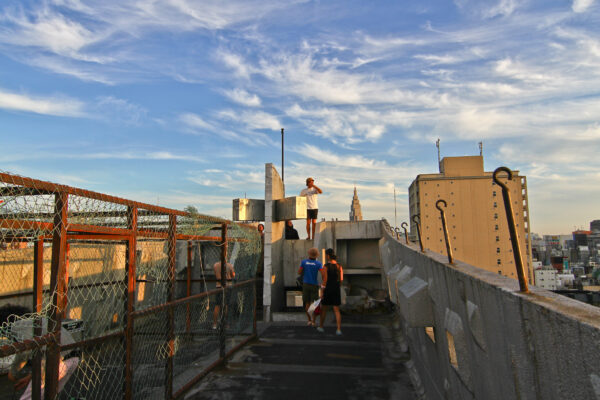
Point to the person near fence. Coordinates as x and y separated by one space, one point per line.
309 269
290 232
331 296
312 205
229 275
20 372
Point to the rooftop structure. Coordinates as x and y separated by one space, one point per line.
475 214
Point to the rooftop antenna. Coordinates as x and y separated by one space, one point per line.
481 148
437 144
282 165
395 211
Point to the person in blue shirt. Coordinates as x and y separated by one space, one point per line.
310 269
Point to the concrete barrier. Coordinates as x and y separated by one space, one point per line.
485 340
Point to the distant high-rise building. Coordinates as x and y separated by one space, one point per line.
355 211
595 225
581 237
475 215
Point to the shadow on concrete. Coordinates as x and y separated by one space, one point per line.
293 361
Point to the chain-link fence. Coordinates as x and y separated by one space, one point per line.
105 298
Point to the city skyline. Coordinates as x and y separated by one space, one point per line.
181 102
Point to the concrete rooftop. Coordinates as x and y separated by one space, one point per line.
293 361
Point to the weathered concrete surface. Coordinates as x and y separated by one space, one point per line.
290 208
293 361
506 345
254 209
294 251
273 291
248 210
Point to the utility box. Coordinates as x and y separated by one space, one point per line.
293 298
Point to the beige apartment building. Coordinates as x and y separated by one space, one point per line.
475 215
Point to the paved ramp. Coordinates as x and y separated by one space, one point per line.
294 361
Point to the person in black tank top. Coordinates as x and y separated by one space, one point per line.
331 290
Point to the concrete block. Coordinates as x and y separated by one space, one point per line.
415 303
248 210
290 208
293 298
391 276
454 326
404 275
476 324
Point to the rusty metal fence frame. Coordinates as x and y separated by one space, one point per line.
61 230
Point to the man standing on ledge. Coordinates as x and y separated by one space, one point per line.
312 206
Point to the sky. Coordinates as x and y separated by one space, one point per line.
181 102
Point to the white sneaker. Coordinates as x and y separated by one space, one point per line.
338 332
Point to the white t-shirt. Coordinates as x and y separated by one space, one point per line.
311 198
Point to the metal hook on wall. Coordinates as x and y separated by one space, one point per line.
397 231
415 219
445 228
514 236
404 225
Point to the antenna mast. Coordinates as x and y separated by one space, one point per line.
481 148
437 144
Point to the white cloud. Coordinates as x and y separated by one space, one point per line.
504 8
509 68
253 120
580 6
48 30
100 155
58 106
243 97
152 155
234 62
196 122
114 109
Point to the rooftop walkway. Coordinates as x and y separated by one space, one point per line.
293 361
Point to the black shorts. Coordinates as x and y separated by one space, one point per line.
312 214
310 293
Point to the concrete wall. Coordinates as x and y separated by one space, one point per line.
273 289
472 335
294 251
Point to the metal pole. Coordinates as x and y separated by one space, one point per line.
130 278
415 220
57 284
254 290
172 244
514 236
224 289
188 291
38 283
445 229
282 159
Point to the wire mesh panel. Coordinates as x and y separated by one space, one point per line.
107 298
196 338
97 371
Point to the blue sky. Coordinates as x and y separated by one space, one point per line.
181 102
